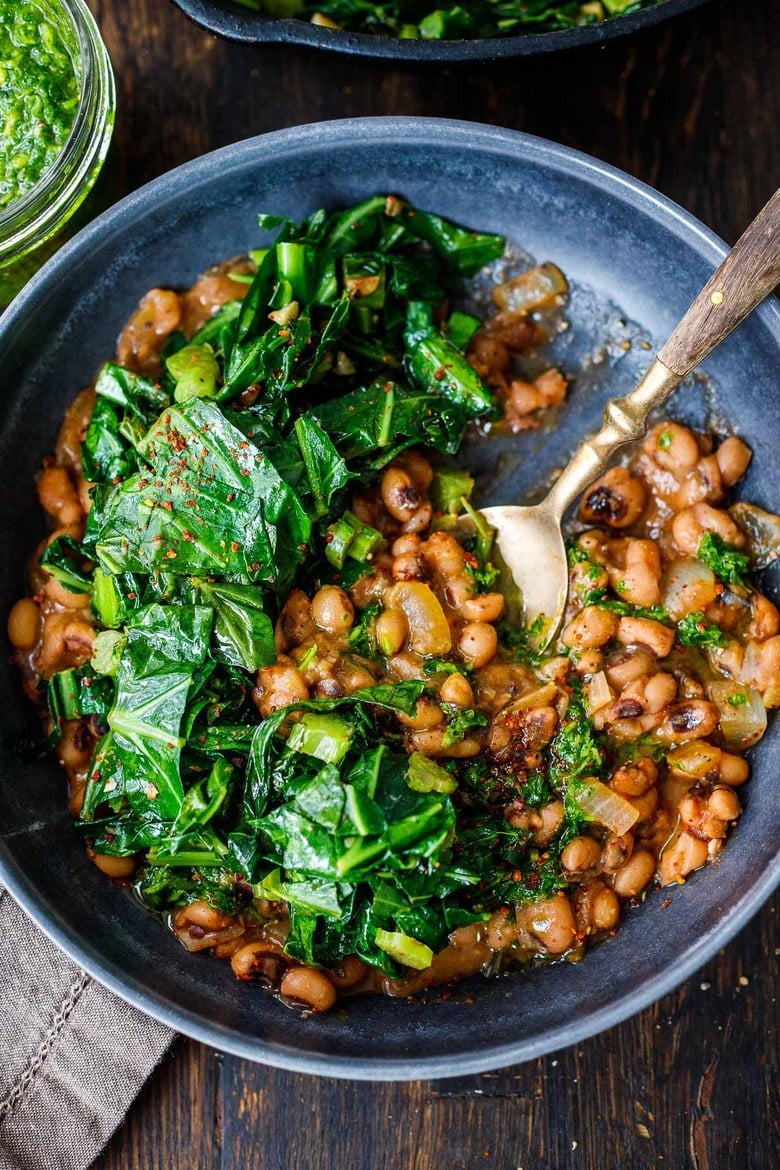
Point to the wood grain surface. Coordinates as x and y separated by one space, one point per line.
692 108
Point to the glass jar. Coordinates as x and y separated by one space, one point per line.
36 224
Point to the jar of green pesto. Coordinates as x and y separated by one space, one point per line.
57 101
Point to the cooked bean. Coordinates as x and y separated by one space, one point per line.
419 520
278 686
765 620
604 910
552 923
406 665
487 607
408 543
427 714
593 626
550 818
624 666
724 804
478 643
419 469
634 779
113 867
733 770
307 987
58 496
552 387
733 457
399 495
157 316
350 972
24 622
57 592
632 877
391 631
456 689
407 567
332 610
76 744
640 579
200 913
660 689
295 620
654 635
673 447
690 526
616 498
681 857
263 960
581 853
616 851
693 719
431 743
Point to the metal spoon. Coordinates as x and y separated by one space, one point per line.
529 539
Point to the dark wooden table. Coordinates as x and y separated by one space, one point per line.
692 108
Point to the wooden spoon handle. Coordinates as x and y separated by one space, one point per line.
748 274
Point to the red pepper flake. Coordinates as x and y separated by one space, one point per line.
132 595
170 555
187 535
234 546
440 374
167 505
666 903
254 567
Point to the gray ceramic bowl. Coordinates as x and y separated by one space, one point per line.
611 235
237 23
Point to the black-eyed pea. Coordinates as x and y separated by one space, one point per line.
733 769
427 715
682 856
391 631
604 910
349 973
24 623
672 447
200 913
691 524
581 853
616 499
262 960
405 544
635 779
551 817
645 632
659 690
332 610
306 987
733 457
552 923
724 804
456 689
112 866
486 607
632 877
592 627
56 591
478 643
691 719
399 495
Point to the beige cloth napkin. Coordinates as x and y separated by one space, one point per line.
72 1055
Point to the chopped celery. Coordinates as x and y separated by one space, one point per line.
106 599
450 487
337 541
426 776
409 951
326 737
195 371
365 543
461 327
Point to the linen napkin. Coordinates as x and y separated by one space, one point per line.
72 1055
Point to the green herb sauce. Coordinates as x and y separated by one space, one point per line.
39 94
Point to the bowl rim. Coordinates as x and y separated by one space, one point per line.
395 132
240 24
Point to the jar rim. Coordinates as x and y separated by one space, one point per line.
43 209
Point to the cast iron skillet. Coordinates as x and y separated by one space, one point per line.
240 24
609 234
